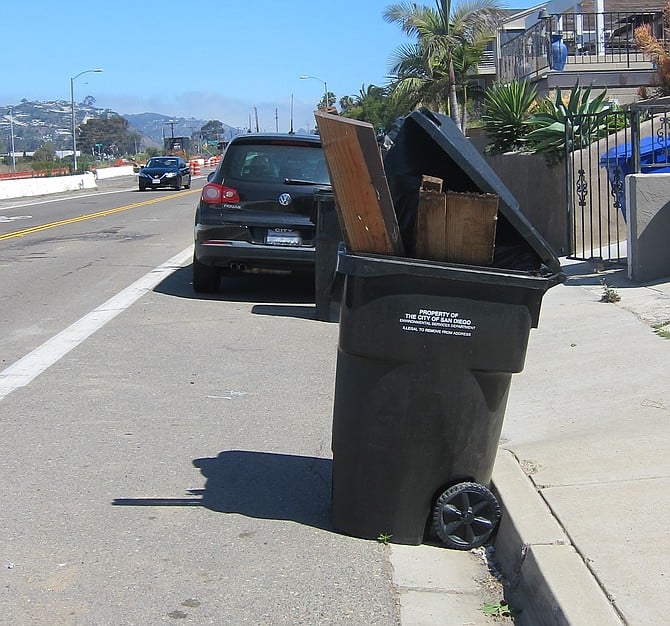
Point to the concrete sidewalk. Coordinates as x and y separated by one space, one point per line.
583 471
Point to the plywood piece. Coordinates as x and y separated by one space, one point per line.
471 227
456 227
362 197
431 233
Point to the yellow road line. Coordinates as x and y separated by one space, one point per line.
90 216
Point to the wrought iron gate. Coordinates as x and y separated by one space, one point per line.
596 226
601 150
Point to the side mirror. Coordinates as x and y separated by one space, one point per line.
210 176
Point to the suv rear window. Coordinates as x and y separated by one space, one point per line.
275 163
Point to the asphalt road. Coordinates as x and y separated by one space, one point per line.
118 455
171 461
62 257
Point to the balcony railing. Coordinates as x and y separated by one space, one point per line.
591 38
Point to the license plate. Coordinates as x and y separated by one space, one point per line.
155 181
283 237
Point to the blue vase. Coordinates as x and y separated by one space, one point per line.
558 53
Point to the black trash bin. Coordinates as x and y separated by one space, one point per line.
425 357
328 238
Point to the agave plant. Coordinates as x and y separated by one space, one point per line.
578 115
506 113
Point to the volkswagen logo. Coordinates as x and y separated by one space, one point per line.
285 199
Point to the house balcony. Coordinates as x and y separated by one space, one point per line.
601 52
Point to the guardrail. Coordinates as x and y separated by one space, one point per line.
34 174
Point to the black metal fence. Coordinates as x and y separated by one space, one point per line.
601 150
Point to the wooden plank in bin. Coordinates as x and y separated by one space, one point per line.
431 231
471 220
362 197
456 227
431 183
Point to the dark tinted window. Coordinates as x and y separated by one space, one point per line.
162 162
275 163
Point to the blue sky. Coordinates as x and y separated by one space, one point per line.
207 59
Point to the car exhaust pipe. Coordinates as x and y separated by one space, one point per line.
240 267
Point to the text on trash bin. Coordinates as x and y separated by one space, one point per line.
437 323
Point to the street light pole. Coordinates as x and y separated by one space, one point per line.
325 88
74 136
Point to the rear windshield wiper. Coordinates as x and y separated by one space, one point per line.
298 181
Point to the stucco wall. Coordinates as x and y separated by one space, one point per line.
540 192
648 202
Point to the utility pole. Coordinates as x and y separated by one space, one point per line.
11 138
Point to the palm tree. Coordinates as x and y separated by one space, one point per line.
426 68
374 104
419 80
466 57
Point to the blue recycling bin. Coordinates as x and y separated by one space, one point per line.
618 161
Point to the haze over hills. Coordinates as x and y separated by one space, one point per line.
35 123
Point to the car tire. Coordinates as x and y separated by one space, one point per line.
188 184
143 188
205 277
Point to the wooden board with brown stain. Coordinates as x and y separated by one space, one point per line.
362 197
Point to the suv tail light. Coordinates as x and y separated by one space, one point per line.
213 193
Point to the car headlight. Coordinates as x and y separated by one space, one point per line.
144 175
170 174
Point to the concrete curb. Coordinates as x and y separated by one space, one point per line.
549 581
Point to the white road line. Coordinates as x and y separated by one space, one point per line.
33 364
5 218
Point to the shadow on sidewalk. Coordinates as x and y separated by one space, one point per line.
262 485
277 295
586 273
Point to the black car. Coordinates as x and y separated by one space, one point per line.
258 212
165 171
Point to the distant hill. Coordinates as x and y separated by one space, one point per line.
157 126
36 123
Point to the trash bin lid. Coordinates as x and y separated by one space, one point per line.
623 153
429 143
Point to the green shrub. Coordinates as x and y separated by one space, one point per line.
506 113
578 115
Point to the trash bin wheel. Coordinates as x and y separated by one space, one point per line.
465 516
